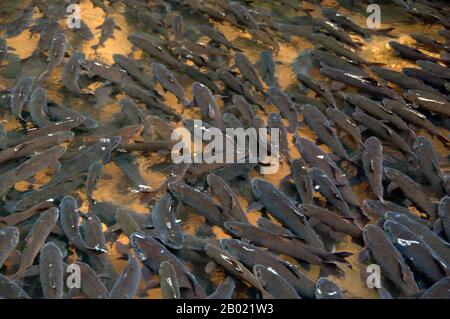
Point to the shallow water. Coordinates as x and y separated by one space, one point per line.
114 187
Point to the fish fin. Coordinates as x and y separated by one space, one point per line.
392 186
255 206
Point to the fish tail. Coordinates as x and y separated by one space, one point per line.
341 256
332 269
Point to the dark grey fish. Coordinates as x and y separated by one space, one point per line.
411 53
282 208
274 284
91 285
322 127
9 238
166 224
126 222
423 259
71 73
345 123
300 99
302 180
235 84
439 290
38 144
325 58
329 218
153 20
435 69
251 255
203 97
267 68
93 232
248 71
136 70
326 289
153 254
155 51
337 32
84 31
19 217
202 203
81 163
216 36
328 189
168 281
19 95
16 26
37 107
109 73
107 31
129 166
363 83
10 289
177 27
412 191
414 117
94 174
51 271
266 38
234 268
285 105
335 46
429 43
270 226
197 75
61 114
382 131
401 79
429 164
317 87
372 160
127 285
444 215
391 262
434 103
227 197
275 122
30 167
243 15
48 193
426 77
36 239
224 290
169 82
56 53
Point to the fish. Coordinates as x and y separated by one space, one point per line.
216 36
165 222
274 284
380 249
402 80
19 23
235 268
107 31
243 15
427 159
248 71
382 131
302 180
329 218
51 271
84 31
227 197
61 114
153 20
38 144
412 191
224 290
169 82
337 32
9 238
18 217
251 256
270 226
328 59
282 208
434 103
444 215
335 46
235 85
275 122
94 174
20 94
326 289
36 238
265 38
70 74
411 53
285 105
322 127
91 285
204 99
366 84
328 189
126 287
81 163
423 259
93 235
198 76
426 77
168 281
317 87
38 107
414 117
110 73
57 51
130 167
136 69
10 289
153 254
30 167
177 25
267 68
439 290
345 123
435 69
428 42
372 160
